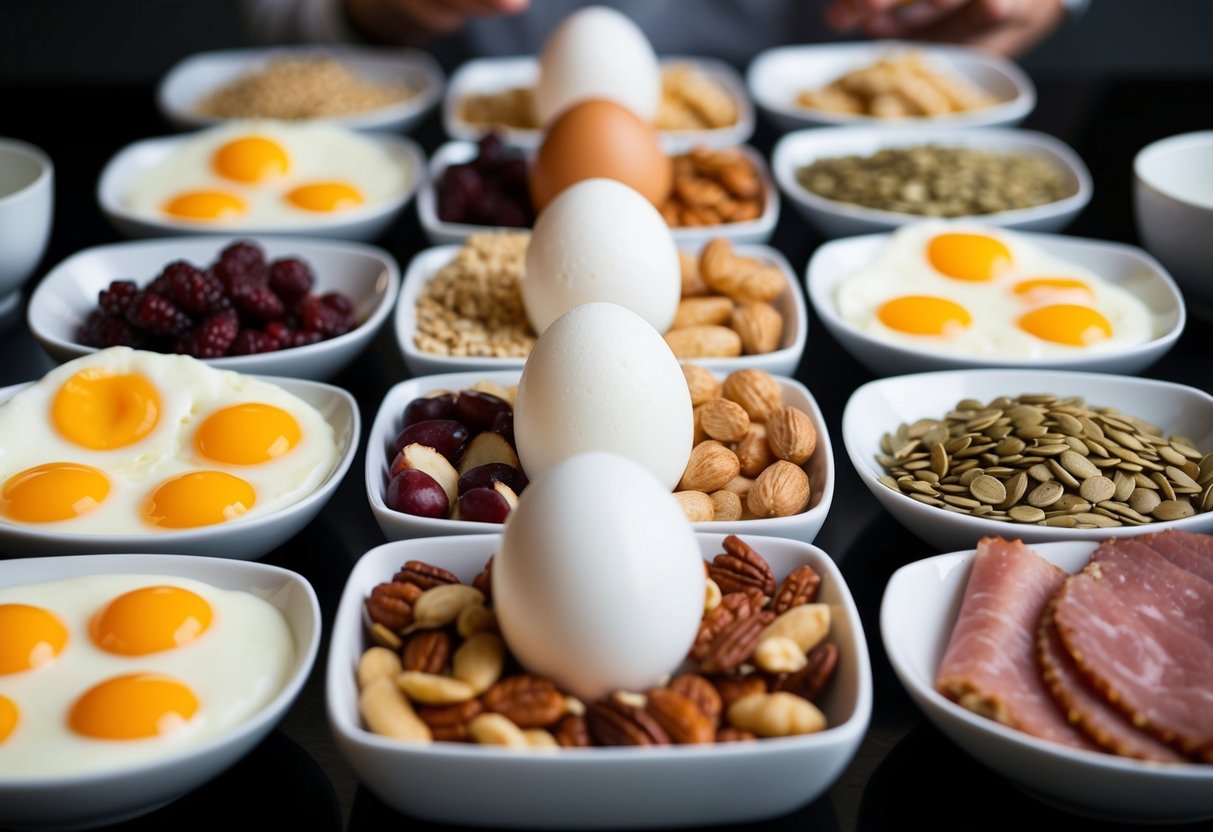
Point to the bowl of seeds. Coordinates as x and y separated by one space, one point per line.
856 180
1037 455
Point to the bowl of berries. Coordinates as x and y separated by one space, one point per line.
280 306
473 185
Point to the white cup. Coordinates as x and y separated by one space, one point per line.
26 207
1173 204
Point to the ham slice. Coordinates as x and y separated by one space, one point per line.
1193 552
989 665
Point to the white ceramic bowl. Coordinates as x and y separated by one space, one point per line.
832 218
242 539
398 526
191 80
1124 266
367 222
440 232
121 792
916 620
777 76
582 788
368 275
426 263
27 199
490 75
880 406
1173 206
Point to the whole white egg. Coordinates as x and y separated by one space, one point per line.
599 581
601 379
600 240
597 53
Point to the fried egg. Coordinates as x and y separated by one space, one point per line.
100 671
265 173
974 291
127 442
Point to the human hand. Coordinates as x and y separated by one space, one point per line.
1005 27
411 22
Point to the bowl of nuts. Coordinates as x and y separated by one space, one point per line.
762 461
888 83
854 180
461 308
560 762
1043 455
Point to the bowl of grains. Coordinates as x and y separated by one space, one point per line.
461 308
1042 455
855 180
888 83
362 87
703 103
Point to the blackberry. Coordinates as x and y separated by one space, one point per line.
280 331
303 337
330 314
258 302
157 315
103 330
251 341
242 263
213 337
192 289
118 296
291 278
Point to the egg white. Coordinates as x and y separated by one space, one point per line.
190 390
317 151
901 268
234 669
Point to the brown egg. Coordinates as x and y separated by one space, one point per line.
599 138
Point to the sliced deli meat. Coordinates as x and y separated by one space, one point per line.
1193 552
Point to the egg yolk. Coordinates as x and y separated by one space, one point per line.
133 707
199 498
102 411
150 620
973 257
205 205
247 434
53 491
251 159
325 197
923 315
9 717
1076 326
29 638
1040 288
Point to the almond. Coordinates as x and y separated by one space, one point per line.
696 505
755 390
753 451
740 278
485 448
760 326
791 435
704 342
692 283
426 459
710 466
702 384
706 311
779 491
724 420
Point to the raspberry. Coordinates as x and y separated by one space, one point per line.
157 315
258 302
330 314
193 290
240 263
251 341
118 296
291 278
304 337
213 337
280 331
103 330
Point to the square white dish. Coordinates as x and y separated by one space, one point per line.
426 263
880 406
581 788
490 75
777 76
832 218
398 526
368 222
441 232
192 79
241 539
367 274
917 614
122 792
1124 266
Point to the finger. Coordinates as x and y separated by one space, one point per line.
947 20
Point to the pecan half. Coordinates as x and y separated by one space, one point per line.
735 643
528 701
810 680
732 607
732 688
484 581
682 719
391 604
615 722
700 691
427 651
424 575
450 722
742 568
734 735
799 587
571 732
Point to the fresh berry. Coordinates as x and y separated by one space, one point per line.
291 278
213 337
330 314
242 263
104 330
304 337
192 289
257 302
157 315
253 341
118 296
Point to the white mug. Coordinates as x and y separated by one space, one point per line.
26 207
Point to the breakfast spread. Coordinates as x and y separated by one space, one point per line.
1075 658
131 442
899 85
1048 460
984 292
267 173
240 304
103 670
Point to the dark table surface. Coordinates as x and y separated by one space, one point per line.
905 770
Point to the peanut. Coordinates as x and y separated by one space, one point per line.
807 625
432 689
479 661
779 654
440 605
377 663
777 714
495 729
386 711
